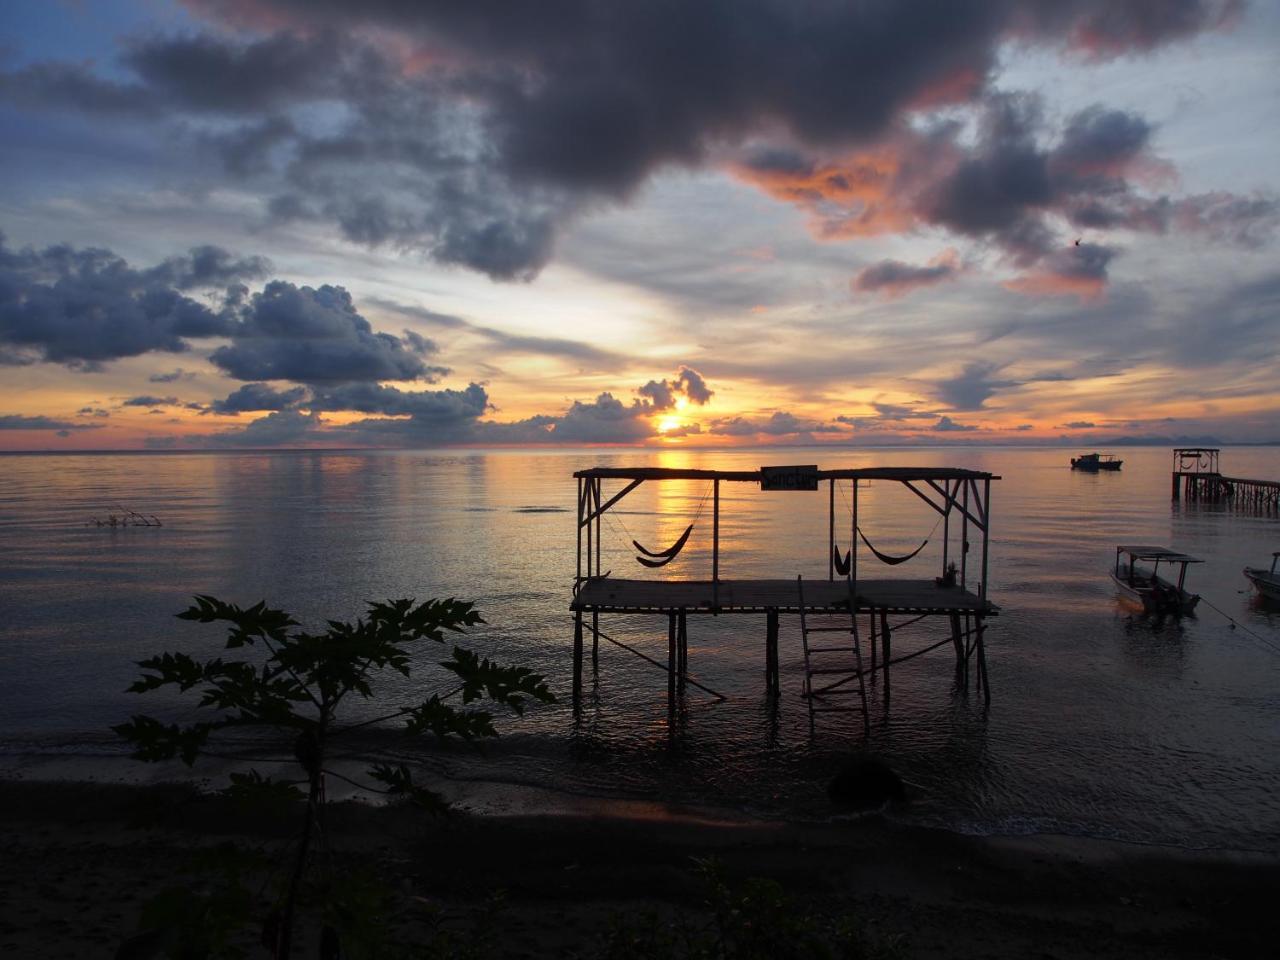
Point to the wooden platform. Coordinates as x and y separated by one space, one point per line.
607 595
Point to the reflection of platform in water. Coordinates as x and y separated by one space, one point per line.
607 595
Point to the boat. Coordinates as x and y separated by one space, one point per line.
1148 588
1266 582
1093 462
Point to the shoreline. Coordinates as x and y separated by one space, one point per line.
90 853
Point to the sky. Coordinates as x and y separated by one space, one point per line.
417 223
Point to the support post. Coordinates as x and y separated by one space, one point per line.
874 636
831 529
957 642
595 643
578 576
671 663
983 679
577 662
986 538
1175 486
599 520
888 653
946 529
771 684
682 639
715 544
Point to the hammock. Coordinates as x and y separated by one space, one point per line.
889 558
663 557
842 563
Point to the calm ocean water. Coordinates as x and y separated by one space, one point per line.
1103 723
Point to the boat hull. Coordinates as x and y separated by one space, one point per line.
1265 582
1158 597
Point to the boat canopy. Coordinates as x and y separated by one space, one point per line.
1145 552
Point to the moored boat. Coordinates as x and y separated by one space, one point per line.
1147 587
1093 462
1266 582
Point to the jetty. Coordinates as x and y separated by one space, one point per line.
1197 478
836 672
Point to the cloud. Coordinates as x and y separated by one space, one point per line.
474 137
433 406
972 387
257 396
688 384
85 307
173 376
1011 183
1077 425
604 420
282 428
780 424
1079 271
947 425
147 400
893 278
15 421
311 335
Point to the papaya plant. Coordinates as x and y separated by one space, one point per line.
294 683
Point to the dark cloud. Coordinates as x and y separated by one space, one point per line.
173 376
257 396
85 307
422 405
688 383
283 428
604 420
1078 425
92 412
311 335
208 267
893 278
473 133
971 388
15 421
146 400
947 425
1079 270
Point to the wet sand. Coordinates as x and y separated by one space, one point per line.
80 858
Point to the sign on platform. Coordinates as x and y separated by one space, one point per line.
789 478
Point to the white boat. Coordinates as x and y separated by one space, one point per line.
1266 582
1147 587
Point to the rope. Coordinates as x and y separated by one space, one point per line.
1237 625
661 666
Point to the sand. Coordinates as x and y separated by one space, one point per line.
79 859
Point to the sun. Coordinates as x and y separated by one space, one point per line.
668 423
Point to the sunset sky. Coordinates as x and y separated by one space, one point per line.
258 223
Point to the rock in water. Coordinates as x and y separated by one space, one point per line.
866 784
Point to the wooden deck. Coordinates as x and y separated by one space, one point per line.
608 595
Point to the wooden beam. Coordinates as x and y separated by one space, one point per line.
612 500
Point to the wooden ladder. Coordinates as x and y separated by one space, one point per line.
828 683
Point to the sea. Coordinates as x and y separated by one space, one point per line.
1103 722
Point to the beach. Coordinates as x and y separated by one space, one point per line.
80 859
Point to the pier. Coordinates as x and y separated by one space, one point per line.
1197 478
837 672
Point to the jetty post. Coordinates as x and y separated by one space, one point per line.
1198 478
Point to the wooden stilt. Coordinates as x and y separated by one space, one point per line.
595 643
957 642
672 665
888 654
771 684
682 638
874 636
577 661
982 662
